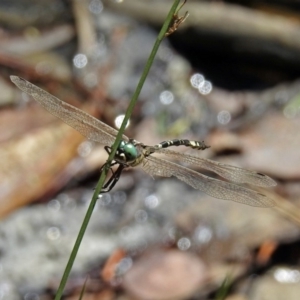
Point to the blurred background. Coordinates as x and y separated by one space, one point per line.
229 76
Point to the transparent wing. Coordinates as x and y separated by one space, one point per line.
231 173
87 125
213 187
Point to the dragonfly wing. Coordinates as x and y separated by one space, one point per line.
229 172
87 125
213 187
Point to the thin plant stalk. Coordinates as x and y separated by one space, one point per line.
113 151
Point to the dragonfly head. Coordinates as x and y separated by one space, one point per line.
127 153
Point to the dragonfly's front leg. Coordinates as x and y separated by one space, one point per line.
115 175
113 179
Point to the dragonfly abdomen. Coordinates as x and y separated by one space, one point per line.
192 144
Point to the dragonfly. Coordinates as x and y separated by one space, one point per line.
132 153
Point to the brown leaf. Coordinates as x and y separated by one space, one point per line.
165 275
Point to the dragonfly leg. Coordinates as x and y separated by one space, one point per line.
113 179
108 150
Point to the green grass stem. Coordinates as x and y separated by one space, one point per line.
114 148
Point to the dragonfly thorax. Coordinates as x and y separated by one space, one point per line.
127 153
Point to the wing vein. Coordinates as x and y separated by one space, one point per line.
86 124
229 172
213 187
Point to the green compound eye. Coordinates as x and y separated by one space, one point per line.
130 151
122 145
